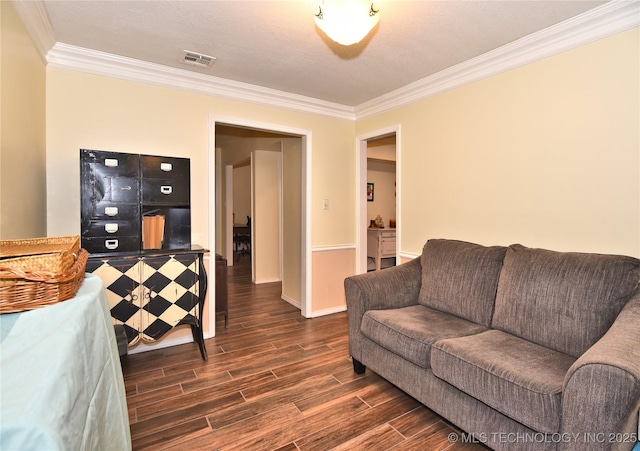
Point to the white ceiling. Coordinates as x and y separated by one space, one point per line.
276 44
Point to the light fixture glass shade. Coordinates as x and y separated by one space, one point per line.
347 21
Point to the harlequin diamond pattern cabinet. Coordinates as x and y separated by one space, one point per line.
150 291
151 294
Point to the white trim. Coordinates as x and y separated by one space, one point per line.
613 17
339 247
600 22
408 255
273 280
361 193
329 311
65 56
211 221
307 267
252 201
290 301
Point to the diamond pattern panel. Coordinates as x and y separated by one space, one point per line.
150 295
121 280
168 281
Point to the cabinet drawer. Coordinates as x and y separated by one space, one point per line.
110 228
110 164
105 244
165 192
388 246
110 211
167 168
114 189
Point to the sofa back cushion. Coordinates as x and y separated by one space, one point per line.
461 278
565 301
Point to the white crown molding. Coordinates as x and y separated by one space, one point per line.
35 18
606 20
613 17
80 59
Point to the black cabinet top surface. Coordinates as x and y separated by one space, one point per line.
194 248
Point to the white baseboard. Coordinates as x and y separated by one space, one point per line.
293 302
328 311
257 282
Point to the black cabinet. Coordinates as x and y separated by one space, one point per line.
150 293
151 288
119 189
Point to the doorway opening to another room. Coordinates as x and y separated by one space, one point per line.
271 164
378 200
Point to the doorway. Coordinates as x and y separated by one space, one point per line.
379 151
295 148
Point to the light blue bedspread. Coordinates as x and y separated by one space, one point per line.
61 384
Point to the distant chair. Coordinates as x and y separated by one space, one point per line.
242 240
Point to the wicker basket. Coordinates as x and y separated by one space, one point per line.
54 254
22 290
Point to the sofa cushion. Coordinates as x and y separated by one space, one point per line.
410 331
461 278
516 377
564 301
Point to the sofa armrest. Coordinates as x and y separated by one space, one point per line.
601 393
394 287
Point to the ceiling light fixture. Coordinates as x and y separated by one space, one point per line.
347 21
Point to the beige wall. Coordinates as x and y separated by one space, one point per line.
292 220
22 131
547 155
330 268
88 111
265 222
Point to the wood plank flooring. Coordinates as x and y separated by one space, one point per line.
274 381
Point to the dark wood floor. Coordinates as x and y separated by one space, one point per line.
274 381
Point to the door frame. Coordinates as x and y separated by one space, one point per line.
361 193
306 149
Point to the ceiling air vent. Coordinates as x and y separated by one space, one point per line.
197 59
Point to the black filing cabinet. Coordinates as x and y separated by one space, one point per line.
119 189
150 289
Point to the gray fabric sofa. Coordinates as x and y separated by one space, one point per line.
520 348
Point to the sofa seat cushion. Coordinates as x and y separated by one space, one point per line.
521 379
564 301
410 331
461 278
